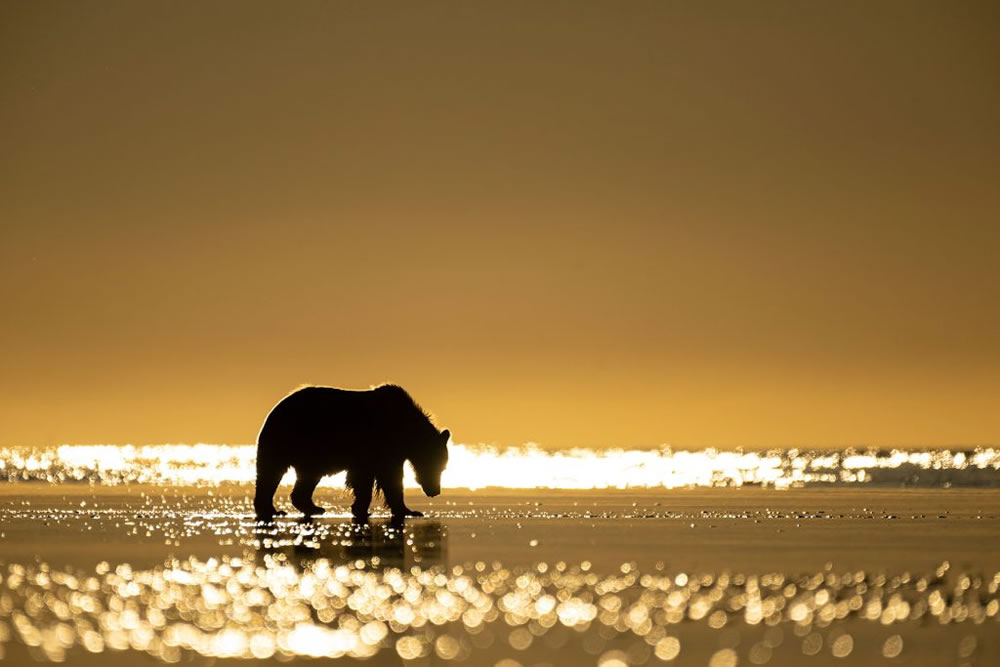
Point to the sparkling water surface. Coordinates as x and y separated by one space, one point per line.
608 558
480 466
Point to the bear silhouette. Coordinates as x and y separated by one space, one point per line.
321 431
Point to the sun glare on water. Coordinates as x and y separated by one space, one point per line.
476 467
241 608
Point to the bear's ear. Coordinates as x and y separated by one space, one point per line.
445 436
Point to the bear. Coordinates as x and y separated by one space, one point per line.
321 431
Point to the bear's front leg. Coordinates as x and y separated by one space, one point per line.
392 486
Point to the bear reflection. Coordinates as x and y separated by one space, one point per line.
378 544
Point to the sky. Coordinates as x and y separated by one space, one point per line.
570 223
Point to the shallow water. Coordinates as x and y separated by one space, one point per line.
849 574
476 467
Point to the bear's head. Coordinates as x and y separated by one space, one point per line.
430 461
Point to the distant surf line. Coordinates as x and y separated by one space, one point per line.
529 466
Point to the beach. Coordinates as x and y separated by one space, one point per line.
675 323
703 576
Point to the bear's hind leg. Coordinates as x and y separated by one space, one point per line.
305 483
268 478
361 484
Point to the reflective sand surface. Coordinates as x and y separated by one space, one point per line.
707 577
232 607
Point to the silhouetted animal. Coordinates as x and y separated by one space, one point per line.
320 431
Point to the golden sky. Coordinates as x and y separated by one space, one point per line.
575 223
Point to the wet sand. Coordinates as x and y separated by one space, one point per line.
820 575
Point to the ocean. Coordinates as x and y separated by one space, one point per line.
112 554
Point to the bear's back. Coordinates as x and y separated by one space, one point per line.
318 411
317 415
